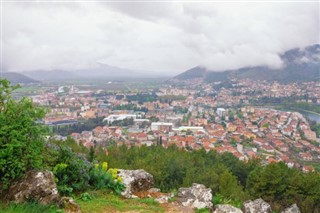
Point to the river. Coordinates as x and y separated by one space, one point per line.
313 116
310 115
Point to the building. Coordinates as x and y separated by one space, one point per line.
161 126
112 118
221 112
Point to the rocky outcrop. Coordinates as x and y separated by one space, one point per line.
292 209
257 206
197 196
135 181
35 185
69 205
225 208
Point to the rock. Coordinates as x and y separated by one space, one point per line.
292 209
69 205
164 198
197 196
154 190
257 206
225 208
35 185
135 181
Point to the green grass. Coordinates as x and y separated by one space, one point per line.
28 208
204 210
105 202
102 201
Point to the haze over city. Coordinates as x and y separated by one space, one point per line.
159 38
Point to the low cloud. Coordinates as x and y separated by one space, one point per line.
156 37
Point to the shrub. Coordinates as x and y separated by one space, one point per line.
220 199
71 172
86 196
100 178
21 135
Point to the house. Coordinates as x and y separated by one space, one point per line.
307 169
311 135
305 156
267 148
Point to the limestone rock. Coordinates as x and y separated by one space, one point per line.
197 196
292 209
164 198
135 181
154 190
35 185
257 206
225 208
69 205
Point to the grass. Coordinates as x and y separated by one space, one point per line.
28 208
204 210
100 201
106 202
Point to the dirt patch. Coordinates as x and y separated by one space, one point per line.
148 194
175 208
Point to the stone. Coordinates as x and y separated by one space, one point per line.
135 181
257 206
164 198
196 196
225 208
292 209
69 205
36 186
154 190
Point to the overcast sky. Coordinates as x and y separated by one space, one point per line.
156 37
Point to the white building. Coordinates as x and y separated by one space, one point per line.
112 118
221 112
156 126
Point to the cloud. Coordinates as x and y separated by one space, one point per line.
156 37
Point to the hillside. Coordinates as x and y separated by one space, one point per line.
54 75
299 65
16 78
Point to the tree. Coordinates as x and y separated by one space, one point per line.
92 153
21 135
229 186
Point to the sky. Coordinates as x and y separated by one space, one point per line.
158 37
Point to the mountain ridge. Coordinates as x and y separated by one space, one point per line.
299 65
18 78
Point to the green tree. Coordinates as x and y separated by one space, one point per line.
21 135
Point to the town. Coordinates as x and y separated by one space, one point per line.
225 117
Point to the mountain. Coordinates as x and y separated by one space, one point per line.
299 65
18 78
196 72
102 71
52 75
111 72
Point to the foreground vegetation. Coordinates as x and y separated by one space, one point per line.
103 201
231 180
90 202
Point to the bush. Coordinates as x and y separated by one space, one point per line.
86 196
71 172
21 135
220 199
100 178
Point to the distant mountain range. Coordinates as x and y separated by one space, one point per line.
53 75
18 78
299 65
102 71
